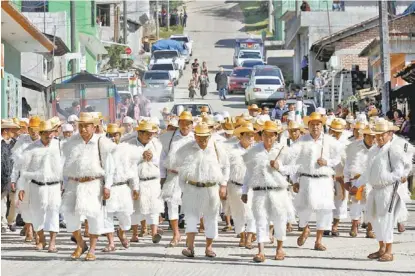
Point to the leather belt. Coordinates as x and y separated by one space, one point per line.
313 175
147 178
45 183
236 183
266 188
84 179
119 184
201 185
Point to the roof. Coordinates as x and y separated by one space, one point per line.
407 73
374 43
34 83
60 46
85 78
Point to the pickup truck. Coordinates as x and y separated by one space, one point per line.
184 38
168 55
245 55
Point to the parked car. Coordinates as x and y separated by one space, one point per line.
192 107
267 70
186 39
238 79
158 84
252 63
247 55
168 55
262 89
167 65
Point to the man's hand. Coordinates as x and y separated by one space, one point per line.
222 192
107 193
13 187
347 186
136 195
353 190
296 188
322 162
274 165
21 195
244 198
147 155
403 179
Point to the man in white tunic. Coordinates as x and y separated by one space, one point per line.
89 168
171 192
18 150
149 204
356 162
267 166
316 155
203 169
385 170
42 168
241 212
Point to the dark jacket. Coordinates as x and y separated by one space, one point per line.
222 80
6 164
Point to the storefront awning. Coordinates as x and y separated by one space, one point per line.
93 44
34 83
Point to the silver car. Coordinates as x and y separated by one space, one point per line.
158 84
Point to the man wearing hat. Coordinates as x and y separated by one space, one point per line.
254 110
18 151
385 169
125 184
89 169
266 170
128 125
57 125
149 205
67 131
357 128
209 120
241 213
204 170
356 161
8 130
341 195
24 123
72 119
171 192
41 169
316 155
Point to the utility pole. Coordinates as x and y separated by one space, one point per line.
157 20
270 16
168 15
73 34
116 23
125 21
384 54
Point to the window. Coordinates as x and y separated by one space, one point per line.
163 67
156 76
268 81
241 73
250 55
104 15
35 6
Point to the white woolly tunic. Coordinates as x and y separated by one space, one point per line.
17 151
150 201
259 173
385 166
339 168
42 164
210 165
82 160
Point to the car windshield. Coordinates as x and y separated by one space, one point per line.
251 64
250 55
163 67
268 81
241 73
308 108
268 72
180 38
156 76
192 108
164 54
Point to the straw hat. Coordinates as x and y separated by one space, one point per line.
113 128
382 126
202 129
23 124
246 127
9 123
295 125
271 126
86 118
373 112
97 115
56 122
16 121
315 116
47 125
246 116
204 109
146 126
254 107
208 120
186 116
228 127
337 125
67 128
359 125
259 125
240 121
34 122
173 122
368 131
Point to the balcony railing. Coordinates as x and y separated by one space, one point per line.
316 5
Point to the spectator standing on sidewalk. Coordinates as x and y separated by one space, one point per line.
319 84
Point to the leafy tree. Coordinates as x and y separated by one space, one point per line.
115 61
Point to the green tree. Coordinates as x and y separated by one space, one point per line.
115 60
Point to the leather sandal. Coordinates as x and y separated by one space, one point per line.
289 228
28 239
174 242
303 237
319 247
253 237
156 238
143 233
386 258
279 256
375 255
79 251
227 228
134 239
335 233
248 245
109 248
53 250
401 228
188 253
353 234
210 254
123 239
370 235
90 257
41 246
259 258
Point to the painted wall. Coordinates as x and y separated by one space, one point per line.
12 78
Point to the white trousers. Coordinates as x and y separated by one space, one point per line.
356 210
96 224
149 218
210 222
324 218
173 211
123 219
45 219
383 227
280 228
340 212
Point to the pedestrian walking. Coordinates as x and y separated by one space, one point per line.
203 84
192 89
319 84
222 82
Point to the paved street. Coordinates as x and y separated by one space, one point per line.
213 26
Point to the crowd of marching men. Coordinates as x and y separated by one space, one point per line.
264 174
